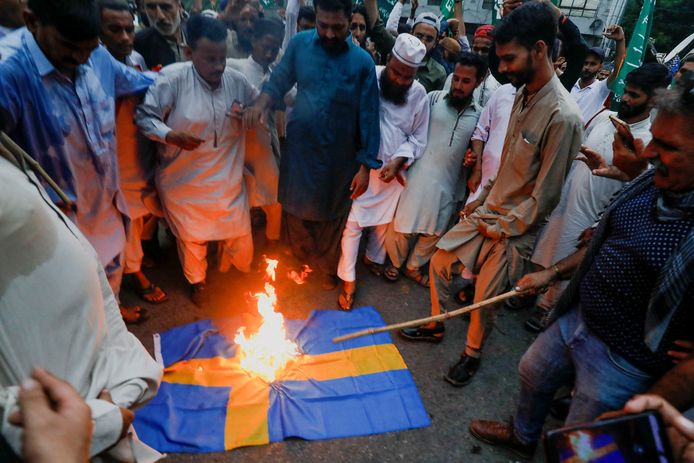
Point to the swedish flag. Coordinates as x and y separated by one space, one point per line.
207 403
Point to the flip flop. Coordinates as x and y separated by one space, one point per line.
376 269
392 273
418 277
345 301
150 290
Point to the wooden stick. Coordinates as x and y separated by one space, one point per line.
434 318
18 152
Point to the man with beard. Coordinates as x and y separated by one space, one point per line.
481 45
162 43
201 148
332 136
619 323
241 16
584 196
404 119
11 17
589 92
262 145
135 160
428 201
494 241
426 28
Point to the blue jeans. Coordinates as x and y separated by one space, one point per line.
567 351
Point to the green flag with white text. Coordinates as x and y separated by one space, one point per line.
636 50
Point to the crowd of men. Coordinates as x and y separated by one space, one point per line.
484 165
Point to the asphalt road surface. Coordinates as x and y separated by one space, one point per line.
491 395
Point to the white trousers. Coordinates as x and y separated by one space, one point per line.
235 251
375 248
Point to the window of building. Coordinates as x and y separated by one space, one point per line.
579 8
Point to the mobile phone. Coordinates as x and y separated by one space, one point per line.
629 438
617 121
625 134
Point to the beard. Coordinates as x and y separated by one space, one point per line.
523 76
585 75
458 101
627 111
332 45
396 94
167 29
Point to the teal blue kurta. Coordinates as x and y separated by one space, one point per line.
333 128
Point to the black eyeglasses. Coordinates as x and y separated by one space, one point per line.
355 26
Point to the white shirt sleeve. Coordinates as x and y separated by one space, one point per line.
394 18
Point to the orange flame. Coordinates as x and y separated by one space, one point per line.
266 352
299 278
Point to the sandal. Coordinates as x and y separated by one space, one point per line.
152 293
376 269
392 273
133 315
417 276
345 301
465 295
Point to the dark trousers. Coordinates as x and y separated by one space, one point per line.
315 242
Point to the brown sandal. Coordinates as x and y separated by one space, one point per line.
345 301
417 276
392 273
376 269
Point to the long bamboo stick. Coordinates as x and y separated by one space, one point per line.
18 152
433 318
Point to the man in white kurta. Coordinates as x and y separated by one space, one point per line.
57 311
200 171
262 143
429 199
404 120
584 196
491 131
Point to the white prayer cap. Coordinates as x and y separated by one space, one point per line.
409 50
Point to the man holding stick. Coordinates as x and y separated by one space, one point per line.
626 315
494 241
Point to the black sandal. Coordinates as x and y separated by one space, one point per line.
392 273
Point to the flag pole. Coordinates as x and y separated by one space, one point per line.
433 318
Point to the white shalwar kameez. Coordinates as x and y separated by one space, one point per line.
584 196
491 129
202 190
58 312
262 154
403 135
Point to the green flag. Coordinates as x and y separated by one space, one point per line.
636 49
447 8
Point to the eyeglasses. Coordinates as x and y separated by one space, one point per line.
355 26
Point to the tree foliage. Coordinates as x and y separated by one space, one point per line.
673 21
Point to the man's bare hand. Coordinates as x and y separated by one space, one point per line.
57 423
128 415
679 429
360 182
614 32
391 169
537 282
473 182
585 237
470 158
626 154
469 209
598 166
183 140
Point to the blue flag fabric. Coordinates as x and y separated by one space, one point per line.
205 404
